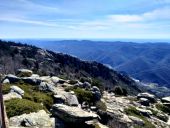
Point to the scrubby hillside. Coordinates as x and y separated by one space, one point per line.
148 62
14 56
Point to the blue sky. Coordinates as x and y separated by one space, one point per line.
143 19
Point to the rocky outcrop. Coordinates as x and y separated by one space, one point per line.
148 96
39 120
46 87
12 78
72 114
24 73
17 90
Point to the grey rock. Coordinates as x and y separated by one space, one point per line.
144 101
24 73
137 121
95 88
31 80
39 120
148 96
17 90
72 114
12 78
86 85
97 95
144 112
85 105
71 99
60 99
46 87
55 79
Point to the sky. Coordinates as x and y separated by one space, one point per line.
107 19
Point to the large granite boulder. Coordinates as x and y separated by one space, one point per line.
38 120
24 73
12 78
46 87
148 96
31 80
17 90
59 99
72 114
86 85
96 92
11 95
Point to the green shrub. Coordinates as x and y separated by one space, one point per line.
97 83
132 111
16 107
101 105
72 82
163 108
32 93
85 79
82 94
45 98
120 91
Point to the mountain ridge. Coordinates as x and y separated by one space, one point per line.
15 56
122 56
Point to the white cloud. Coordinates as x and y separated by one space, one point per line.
33 22
155 15
125 18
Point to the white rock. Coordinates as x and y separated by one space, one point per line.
11 95
24 72
166 99
55 79
16 89
6 81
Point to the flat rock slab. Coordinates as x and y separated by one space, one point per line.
72 114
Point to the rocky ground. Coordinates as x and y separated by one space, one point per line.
78 104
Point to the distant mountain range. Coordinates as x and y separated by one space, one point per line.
149 62
15 56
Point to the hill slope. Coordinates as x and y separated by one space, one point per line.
148 62
14 56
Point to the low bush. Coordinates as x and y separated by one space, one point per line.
98 83
163 108
132 111
16 107
120 91
72 82
82 94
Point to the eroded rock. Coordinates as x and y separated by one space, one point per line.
72 114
